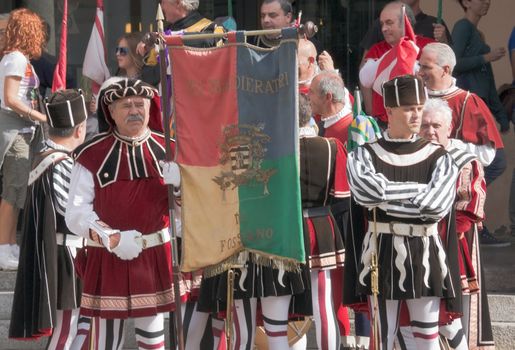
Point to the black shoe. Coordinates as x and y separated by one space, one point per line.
487 240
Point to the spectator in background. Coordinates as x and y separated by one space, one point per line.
4 17
425 25
24 39
45 67
473 69
129 62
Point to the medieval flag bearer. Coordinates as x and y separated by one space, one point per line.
118 201
408 184
47 292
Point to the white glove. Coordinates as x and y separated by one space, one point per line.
171 173
128 248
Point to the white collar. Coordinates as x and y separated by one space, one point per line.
307 131
56 146
444 92
333 119
413 138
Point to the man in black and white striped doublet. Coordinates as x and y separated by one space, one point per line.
410 183
48 291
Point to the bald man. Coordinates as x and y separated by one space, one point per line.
392 27
309 67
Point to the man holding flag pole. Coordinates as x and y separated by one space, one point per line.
394 56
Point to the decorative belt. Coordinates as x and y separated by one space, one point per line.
402 229
146 241
316 212
69 240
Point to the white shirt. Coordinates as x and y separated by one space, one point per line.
15 64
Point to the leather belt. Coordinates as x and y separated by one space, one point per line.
146 241
316 212
402 229
69 240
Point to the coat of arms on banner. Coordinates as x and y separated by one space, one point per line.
243 149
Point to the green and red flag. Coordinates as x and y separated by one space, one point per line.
236 117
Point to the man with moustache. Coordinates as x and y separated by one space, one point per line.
119 203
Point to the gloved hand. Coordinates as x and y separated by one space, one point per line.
171 173
128 248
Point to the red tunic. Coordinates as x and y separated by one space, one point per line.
340 129
475 124
376 52
129 194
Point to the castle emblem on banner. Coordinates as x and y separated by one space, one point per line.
243 148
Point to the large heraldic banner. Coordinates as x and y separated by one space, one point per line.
237 140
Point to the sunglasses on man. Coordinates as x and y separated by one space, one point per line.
122 51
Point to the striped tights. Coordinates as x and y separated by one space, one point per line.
423 313
64 331
110 333
275 319
326 325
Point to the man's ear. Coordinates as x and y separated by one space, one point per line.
388 111
447 70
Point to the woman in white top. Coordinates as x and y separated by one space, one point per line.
19 117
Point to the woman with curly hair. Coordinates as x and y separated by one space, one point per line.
19 117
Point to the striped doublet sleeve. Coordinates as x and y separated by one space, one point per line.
435 201
371 188
61 184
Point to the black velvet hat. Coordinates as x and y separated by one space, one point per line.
127 87
66 108
405 90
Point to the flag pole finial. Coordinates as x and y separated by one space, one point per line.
160 18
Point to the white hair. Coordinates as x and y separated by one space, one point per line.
444 54
331 83
438 106
188 5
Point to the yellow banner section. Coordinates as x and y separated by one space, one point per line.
212 234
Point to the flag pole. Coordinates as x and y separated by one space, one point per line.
439 12
176 331
247 33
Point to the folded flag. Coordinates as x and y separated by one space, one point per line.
363 128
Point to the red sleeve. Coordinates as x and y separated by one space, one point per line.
479 124
470 196
341 187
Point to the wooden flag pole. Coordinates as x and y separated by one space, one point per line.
176 332
247 33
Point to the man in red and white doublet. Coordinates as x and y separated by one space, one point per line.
118 201
392 28
472 121
473 330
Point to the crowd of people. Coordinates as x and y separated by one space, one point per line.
392 217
